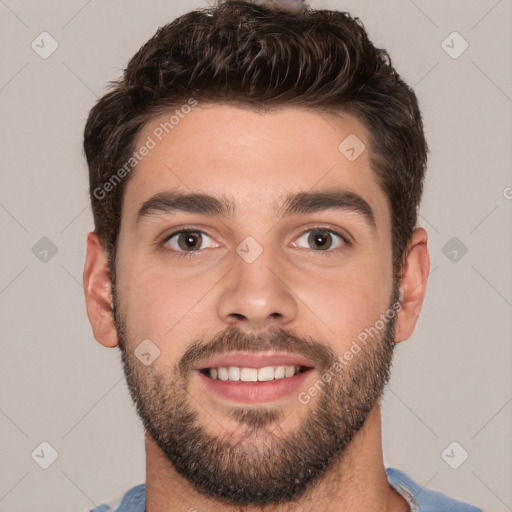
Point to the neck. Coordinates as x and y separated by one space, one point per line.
356 483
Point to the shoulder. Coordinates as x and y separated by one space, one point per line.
425 500
133 500
420 498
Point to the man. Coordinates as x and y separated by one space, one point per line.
255 180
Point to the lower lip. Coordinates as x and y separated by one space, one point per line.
256 392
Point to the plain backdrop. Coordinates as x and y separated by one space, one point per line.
451 381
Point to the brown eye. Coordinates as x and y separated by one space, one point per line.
320 239
186 241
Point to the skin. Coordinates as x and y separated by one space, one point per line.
254 159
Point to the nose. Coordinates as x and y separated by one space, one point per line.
256 296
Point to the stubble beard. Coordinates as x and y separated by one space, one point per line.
259 465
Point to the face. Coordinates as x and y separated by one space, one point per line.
251 297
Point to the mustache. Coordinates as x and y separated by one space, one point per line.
233 339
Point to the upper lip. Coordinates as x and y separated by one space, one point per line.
256 360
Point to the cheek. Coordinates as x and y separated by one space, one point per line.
164 306
348 301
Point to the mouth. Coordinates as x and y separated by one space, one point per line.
247 374
255 378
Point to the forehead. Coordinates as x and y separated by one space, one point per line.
253 158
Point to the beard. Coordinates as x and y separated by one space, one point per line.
260 465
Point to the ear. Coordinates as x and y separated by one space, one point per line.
413 284
98 292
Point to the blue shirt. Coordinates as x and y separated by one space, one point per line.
419 498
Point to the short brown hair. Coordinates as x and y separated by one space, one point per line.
256 57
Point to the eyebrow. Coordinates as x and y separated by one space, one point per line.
295 203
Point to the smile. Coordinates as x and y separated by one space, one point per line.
244 374
255 377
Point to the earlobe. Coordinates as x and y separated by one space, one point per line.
413 284
98 292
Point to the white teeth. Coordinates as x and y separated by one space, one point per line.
267 373
279 372
249 374
234 373
289 371
223 373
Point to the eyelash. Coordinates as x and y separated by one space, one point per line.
195 254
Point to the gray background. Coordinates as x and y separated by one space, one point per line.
452 379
